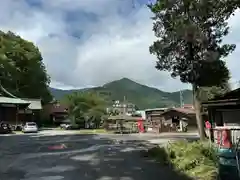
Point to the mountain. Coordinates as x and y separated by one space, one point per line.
141 95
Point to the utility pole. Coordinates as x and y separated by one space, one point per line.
124 105
181 99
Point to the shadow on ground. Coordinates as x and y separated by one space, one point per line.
87 157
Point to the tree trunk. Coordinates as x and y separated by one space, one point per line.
197 107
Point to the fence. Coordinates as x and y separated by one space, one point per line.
234 134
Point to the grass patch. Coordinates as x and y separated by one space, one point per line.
87 131
17 132
94 131
195 159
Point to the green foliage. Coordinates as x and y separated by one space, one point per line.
189 43
196 159
22 71
84 106
190 36
140 95
207 93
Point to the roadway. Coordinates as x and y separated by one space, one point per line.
78 156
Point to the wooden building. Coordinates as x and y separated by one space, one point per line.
224 112
154 119
170 119
174 118
18 110
9 108
32 112
55 112
122 122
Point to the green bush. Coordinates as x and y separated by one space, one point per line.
195 159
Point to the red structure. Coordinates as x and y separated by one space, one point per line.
224 138
140 125
56 147
208 125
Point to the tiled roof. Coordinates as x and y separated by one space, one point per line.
181 110
185 110
7 100
35 104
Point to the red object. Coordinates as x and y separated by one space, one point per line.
224 138
140 125
55 147
208 125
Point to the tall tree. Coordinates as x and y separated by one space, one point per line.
208 93
189 43
22 71
85 106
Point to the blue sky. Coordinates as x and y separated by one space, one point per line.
91 42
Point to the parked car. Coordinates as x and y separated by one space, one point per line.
64 125
30 127
17 127
69 126
5 128
73 127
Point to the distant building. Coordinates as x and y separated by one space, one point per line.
55 112
154 114
154 119
123 108
169 119
142 113
18 110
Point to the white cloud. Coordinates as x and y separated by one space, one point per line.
234 38
113 43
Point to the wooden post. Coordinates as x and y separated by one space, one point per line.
210 137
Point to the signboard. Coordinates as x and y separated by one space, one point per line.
208 125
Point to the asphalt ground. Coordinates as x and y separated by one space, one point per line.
79 157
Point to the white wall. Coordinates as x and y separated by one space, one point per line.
143 114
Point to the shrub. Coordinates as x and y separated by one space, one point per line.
196 159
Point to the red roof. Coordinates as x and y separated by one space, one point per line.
185 110
180 110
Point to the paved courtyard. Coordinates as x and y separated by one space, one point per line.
75 157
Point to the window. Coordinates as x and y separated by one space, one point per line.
31 124
218 118
231 117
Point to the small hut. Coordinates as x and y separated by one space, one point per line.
175 118
122 123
